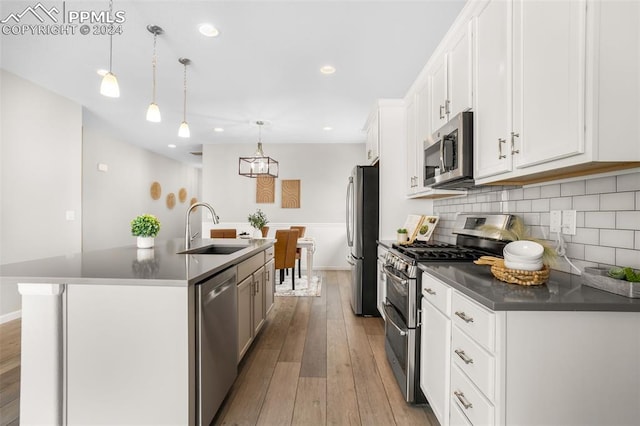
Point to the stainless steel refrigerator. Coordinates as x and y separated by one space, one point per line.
362 234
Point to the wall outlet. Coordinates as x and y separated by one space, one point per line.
555 221
569 222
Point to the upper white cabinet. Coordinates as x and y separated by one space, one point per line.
450 78
372 128
540 111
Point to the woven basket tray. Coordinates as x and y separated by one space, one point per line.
514 276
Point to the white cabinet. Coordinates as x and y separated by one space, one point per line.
269 285
435 338
413 172
245 317
258 300
382 280
372 128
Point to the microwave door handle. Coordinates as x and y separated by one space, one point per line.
442 167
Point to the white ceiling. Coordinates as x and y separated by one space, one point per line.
264 65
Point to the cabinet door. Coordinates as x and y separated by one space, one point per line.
438 84
245 320
435 359
258 300
411 118
459 92
492 89
382 286
269 285
373 137
549 80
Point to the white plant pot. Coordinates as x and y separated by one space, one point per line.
403 237
145 242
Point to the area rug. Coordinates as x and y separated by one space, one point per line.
303 286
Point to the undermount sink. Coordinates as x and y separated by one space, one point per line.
214 249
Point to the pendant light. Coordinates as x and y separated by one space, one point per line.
109 86
258 164
183 131
153 112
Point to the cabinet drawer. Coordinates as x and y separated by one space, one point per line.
457 417
437 292
470 400
269 253
474 361
250 265
473 319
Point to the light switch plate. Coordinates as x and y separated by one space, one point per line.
555 221
569 222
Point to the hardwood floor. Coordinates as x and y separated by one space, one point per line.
314 363
10 373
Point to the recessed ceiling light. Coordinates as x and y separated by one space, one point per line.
328 69
208 30
327 128
218 129
171 145
102 72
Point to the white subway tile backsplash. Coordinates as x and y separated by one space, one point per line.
585 203
544 219
531 193
580 219
561 203
600 220
541 205
618 201
637 241
516 194
616 238
600 185
587 236
523 206
599 254
638 200
573 188
630 182
549 191
575 251
531 219
628 220
628 258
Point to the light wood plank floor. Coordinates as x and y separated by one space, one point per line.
316 363
313 363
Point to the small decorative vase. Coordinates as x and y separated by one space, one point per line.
403 237
257 233
145 242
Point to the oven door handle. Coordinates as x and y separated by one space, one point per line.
388 318
395 277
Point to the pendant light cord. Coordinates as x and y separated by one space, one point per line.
110 38
154 62
184 116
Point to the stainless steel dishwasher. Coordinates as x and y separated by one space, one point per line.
216 343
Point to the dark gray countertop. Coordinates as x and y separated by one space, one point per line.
563 292
160 266
386 243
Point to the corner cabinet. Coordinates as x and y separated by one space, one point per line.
255 297
539 72
492 373
372 129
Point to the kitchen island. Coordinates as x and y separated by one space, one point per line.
110 336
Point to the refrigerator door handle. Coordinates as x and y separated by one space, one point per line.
350 212
349 261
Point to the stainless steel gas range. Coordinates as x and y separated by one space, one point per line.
403 287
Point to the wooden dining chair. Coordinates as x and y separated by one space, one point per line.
285 253
301 230
223 233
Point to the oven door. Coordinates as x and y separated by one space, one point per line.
401 293
400 348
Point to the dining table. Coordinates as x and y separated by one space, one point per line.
309 244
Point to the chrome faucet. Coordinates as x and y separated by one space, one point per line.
187 226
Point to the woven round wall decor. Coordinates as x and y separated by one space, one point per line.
171 200
156 190
182 195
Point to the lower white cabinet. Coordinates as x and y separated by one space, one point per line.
382 280
258 301
245 323
269 285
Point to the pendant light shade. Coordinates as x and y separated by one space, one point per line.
109 86
183 131
153 112
258 164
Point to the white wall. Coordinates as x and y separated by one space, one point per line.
41 149
323 170
111 199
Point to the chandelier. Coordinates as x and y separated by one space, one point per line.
258 164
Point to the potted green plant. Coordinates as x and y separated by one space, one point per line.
146 228
403 235
258 220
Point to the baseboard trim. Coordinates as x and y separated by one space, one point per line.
10 316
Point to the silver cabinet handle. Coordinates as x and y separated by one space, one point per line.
369 154
500 142
446 106
463 356
464 316
466 404
441 112
429 291
513 136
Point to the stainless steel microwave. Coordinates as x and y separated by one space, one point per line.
448 154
